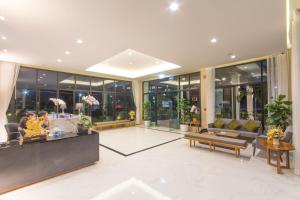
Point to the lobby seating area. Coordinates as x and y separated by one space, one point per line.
166 100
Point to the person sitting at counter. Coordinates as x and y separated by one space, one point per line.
24 120
43 116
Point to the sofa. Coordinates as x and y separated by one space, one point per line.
244 133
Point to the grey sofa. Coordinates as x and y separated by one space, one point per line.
244 133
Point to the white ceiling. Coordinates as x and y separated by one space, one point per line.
132 64
40 31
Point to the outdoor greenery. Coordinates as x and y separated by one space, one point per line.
279 113
146 108
184 110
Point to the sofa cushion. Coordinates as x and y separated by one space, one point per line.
251 126
219 123
234 124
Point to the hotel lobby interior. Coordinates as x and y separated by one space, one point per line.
149 99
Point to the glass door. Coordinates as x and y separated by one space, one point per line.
166 108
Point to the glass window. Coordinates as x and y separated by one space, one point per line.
195 81
146 87
109 85
83 83
97 110
26 91
184 82
167 84
66 81
108 106
120 86
241 91
68 97
47 88
97 84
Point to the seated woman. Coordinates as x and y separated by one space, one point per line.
43 116
24 120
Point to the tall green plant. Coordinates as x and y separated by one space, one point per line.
146 108
184 110
280 113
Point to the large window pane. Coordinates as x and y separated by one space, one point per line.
167 84
47 88
66 81
67 96
97 110
97 84
83 83
26 91
184 82
195 81
109 85
108 106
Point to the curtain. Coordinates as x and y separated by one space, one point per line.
278 76
296 88
8 77
137 94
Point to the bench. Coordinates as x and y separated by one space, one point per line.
113 124
213 141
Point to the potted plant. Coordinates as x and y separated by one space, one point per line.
275 135
84 125
184 114
279 113
146 108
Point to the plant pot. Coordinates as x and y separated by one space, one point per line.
184 127
147 123
82 130
276 142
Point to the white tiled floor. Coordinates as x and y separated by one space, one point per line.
133 139
170 171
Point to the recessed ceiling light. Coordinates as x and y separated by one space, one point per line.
2 18
79 41
223 79
232 56
3 37
67 52
4 50
174 6
213 40
129 53
59 60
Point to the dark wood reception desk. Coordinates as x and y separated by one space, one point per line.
22 165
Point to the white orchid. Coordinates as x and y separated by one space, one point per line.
90 100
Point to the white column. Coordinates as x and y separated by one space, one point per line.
250 101
296 88
207 96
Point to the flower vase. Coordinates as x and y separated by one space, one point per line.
276 142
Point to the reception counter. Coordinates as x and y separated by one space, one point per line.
22 165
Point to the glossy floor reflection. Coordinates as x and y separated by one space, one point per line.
134 139
173 171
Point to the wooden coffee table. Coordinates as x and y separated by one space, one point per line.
228 134
283 147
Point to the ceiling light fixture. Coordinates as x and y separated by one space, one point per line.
79 41
213 40
59 60
3 37
174 6
223 79
2 18
67 52
130 53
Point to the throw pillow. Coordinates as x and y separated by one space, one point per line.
251 126
219 123
234 124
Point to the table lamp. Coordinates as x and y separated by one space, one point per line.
79 106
